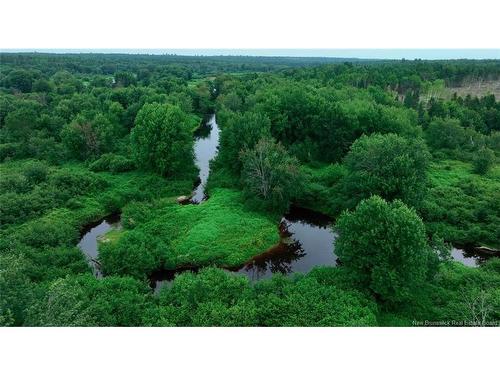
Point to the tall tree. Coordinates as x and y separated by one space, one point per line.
270 173
162 139
242 131
384 247
387 165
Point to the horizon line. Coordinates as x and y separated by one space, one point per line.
338 53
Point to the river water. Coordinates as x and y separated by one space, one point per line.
205 149
308 237
308 240
89 242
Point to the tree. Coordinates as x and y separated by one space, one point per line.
88 139
387 165
124 79
242 131
162 139
20 80
22 121
383 246
483 160
43 85
270 173
445 134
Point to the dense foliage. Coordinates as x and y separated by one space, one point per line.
404 154
162 139
383 247
388 165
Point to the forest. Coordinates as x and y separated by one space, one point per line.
165 190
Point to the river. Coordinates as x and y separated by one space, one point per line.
308 237
89 241
205 149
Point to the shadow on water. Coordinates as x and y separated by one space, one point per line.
90 235
205 149
307 240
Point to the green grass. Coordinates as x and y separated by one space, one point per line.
221 231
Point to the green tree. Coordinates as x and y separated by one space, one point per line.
445 134
162 139
384 247
20 79
242 131
43 85
88 139
22 121
387 165
124 79
483 160
270 173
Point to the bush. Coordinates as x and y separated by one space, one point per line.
305 302
86 301
135 254
483 160
112 163
16 290
35 172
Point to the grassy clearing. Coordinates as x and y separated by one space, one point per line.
220 231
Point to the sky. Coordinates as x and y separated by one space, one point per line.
426 54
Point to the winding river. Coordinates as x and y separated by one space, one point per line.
205 149
308 238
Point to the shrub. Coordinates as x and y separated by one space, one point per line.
483 160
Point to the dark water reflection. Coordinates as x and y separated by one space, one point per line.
89 240
205 149
308 242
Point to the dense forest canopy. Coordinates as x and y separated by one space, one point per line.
402 155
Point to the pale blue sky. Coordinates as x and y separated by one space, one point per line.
430 54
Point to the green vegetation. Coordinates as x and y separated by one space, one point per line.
405 169
220 231
270 174
387 165
383 248
461 206
214 298
483 160
162 139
